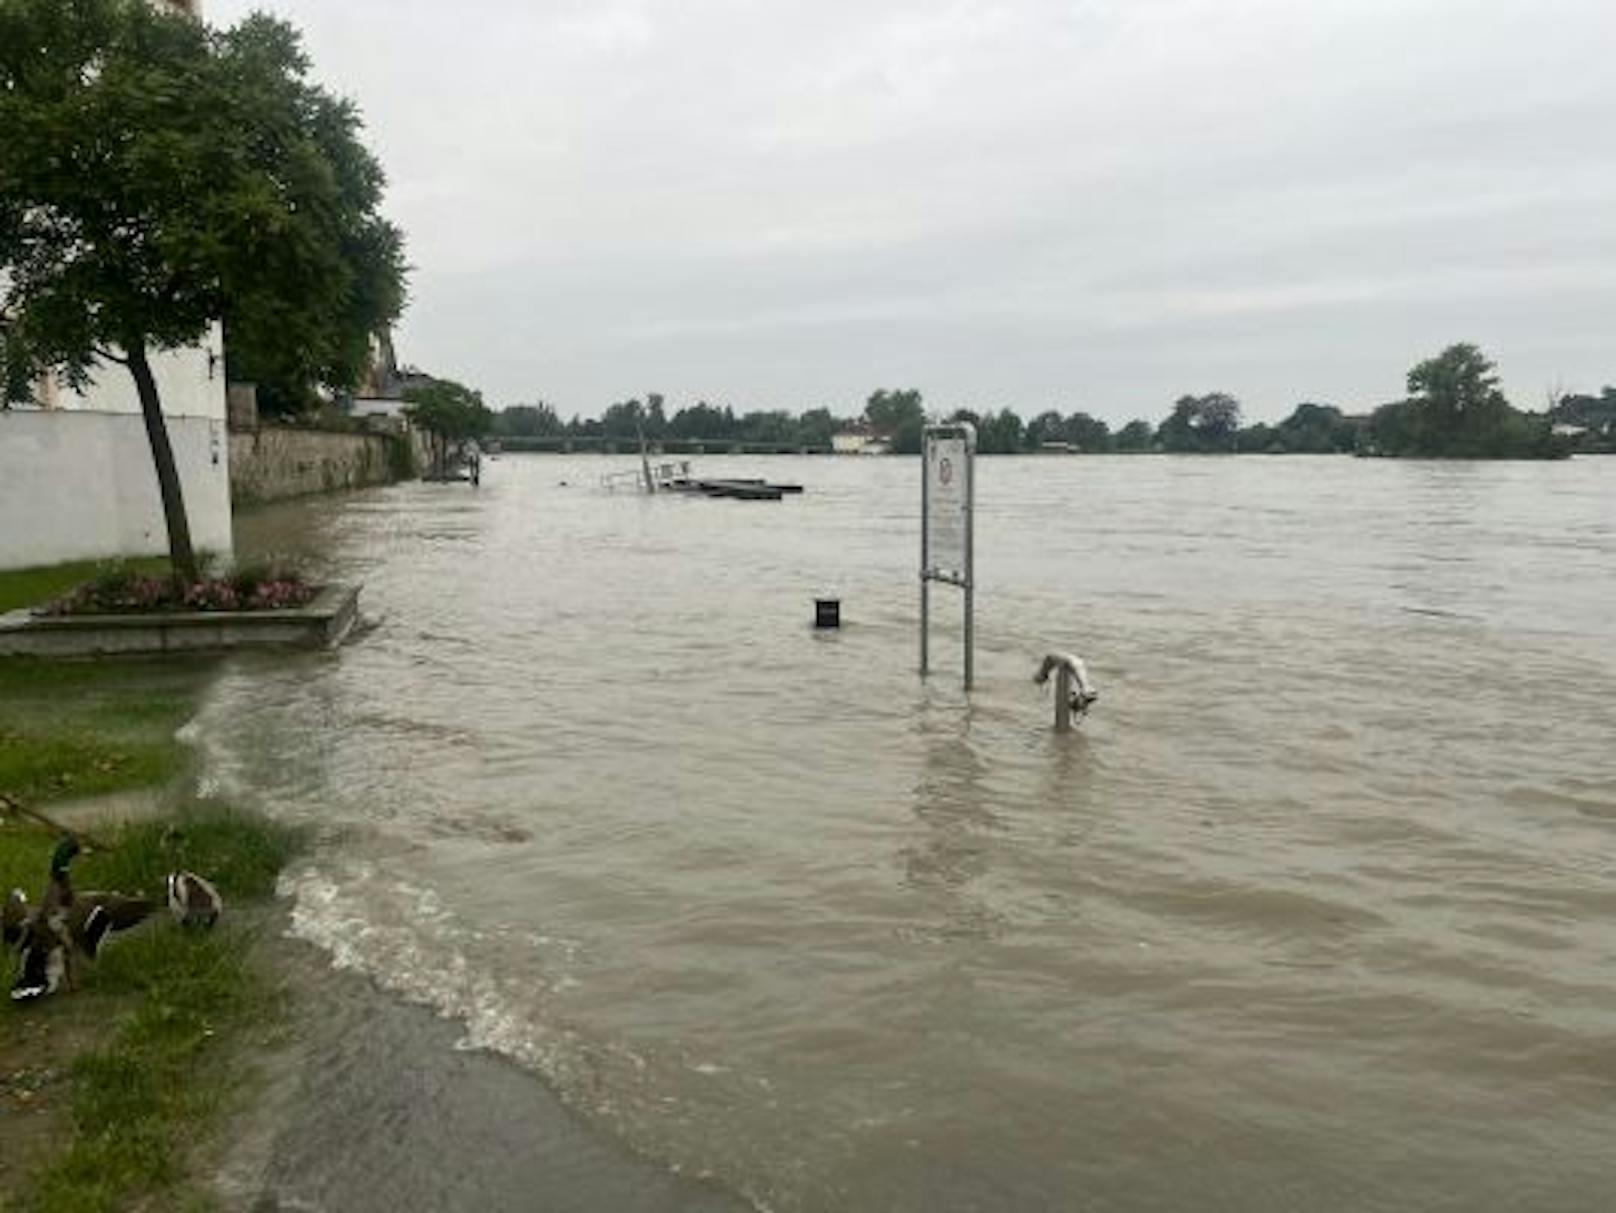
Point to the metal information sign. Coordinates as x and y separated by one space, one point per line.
947 508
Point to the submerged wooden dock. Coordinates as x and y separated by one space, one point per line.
677 478
740 490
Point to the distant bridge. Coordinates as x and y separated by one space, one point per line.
562 445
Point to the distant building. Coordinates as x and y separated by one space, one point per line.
860 439
381 393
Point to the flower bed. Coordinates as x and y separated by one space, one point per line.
130 593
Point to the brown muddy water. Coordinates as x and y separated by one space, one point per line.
1316 910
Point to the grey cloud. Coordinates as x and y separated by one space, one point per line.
1094 204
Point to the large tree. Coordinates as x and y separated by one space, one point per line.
1202 424
1087 434
157 176
1457 391
1456 409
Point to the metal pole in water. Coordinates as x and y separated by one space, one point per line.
645 460
1074 693
925 559
970 556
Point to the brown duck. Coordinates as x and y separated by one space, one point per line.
68 924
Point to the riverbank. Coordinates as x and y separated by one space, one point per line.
237 1069
371 1106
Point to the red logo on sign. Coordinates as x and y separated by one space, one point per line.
945 471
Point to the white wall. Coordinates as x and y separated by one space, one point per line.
79 485
190 383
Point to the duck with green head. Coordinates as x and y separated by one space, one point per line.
68 924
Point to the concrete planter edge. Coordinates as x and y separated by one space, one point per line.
323 623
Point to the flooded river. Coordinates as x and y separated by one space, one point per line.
1317 909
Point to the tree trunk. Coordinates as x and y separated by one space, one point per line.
180 555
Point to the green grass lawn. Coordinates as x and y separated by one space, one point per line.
70 729
34 587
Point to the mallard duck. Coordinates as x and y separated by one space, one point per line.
42 936
193 900
67 923
44 967
13 917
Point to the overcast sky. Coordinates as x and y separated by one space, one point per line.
1095 204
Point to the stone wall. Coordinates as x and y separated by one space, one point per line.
275 462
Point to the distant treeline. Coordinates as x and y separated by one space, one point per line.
1454 409
626 420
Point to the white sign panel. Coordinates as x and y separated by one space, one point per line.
947 474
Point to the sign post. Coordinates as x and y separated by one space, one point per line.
947 528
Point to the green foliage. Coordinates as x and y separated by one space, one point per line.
334 274
817 427
629 418
1087 434
1000 433
36 586
1456 410
528 421
156 176
1259 438
1316 429
401 462
1457 391
703 420
625 420
242 853
448 409
106 238
451 413
1395 429
1044 428
1311 429
899 414
1080 432
1201 424
1136 436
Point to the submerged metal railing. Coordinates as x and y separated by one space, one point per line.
1074 693
661 476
